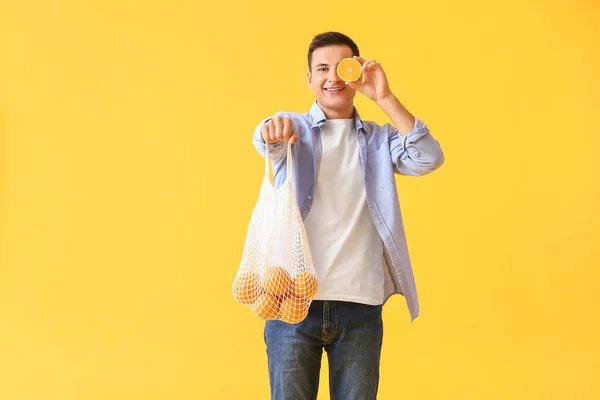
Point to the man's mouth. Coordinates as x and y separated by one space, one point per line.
334 89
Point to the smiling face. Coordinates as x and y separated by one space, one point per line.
333 96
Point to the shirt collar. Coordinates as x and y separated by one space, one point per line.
318 116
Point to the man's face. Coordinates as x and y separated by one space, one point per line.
332 94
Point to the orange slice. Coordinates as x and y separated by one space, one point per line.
349 70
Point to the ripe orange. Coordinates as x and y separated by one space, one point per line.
349 70
293 310
246 288
277 281
305 285
267 306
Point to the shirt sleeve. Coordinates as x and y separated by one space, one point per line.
415 153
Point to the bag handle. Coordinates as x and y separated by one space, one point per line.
288 168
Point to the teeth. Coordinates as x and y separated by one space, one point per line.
334 90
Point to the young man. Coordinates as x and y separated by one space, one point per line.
343 175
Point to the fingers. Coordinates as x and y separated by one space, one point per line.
373 65
369 65
279 129
287 129
366 65
266 130
289 134
354 85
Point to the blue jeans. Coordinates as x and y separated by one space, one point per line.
351 335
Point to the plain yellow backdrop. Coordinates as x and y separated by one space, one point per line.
127 179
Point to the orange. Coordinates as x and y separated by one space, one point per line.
246 288
349 70
293 310
277 281
267 306
305 285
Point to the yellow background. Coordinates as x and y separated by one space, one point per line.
127 178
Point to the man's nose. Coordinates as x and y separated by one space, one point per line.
333 76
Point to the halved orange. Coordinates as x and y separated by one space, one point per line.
349 70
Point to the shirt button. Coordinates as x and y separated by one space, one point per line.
309 197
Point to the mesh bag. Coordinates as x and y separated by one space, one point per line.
276 278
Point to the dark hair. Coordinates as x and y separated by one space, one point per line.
330 39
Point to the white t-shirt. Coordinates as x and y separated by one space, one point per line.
346 248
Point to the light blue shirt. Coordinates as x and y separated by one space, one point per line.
382 152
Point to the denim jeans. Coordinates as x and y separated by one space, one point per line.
350 333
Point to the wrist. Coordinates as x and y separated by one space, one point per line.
402 119
388 102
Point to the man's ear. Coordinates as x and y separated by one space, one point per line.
309 78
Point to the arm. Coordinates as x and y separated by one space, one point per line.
416 153
275 132
412 148
277 151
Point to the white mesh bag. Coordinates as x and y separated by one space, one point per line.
276 278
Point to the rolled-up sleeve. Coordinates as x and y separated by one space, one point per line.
416 153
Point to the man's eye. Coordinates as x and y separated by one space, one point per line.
321 69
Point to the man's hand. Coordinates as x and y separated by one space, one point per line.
375 85
279 129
